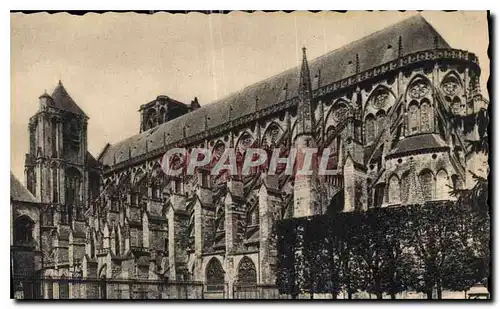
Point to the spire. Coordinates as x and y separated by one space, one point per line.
304 108
305 76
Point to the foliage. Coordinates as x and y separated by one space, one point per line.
385 250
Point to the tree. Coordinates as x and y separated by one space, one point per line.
347 229
432 241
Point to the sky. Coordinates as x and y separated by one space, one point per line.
112 63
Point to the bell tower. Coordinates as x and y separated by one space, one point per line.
55 165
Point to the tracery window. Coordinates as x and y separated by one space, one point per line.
339 113
246 271
419 89
450 86
426 179
394 190
215 274
380 100
414 118
425 116
380 122
370 128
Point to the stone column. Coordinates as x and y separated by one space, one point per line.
177 219
269 201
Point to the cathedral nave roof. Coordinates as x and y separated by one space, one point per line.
373 50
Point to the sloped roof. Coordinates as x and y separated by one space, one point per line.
373 50
418 142
62 100
91 161
18 192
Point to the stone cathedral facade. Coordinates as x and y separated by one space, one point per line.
381 104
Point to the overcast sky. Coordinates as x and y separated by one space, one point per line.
112 63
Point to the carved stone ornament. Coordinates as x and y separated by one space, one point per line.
419 89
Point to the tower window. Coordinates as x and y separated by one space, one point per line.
53 135
55 191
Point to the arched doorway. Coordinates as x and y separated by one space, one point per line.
214 279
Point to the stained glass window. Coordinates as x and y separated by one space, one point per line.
425 117
370 128
394 190
405 187
427 185
413 118
215 272
442 185
246 271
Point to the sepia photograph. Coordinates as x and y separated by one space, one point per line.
250 155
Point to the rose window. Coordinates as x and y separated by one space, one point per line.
419 89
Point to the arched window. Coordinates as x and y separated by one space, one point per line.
379 195
53 136
338 113
73 194
214 275
63 288
442 185
405 187
370 128
23 231
426 116
92 246
31 180
163 115
413 117
394 190
151 119
380 122
426 179
55 182
117 242
247 273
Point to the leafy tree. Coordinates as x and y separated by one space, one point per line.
431 240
